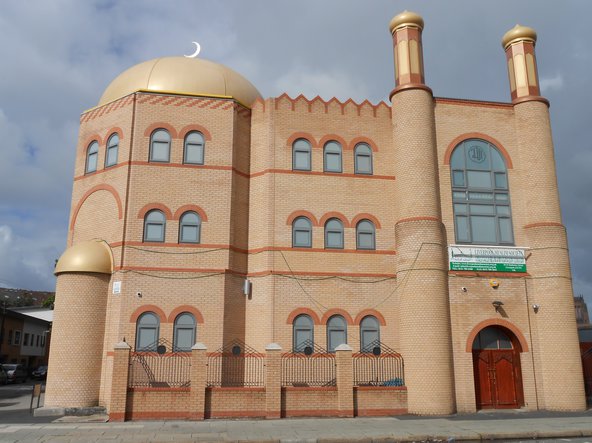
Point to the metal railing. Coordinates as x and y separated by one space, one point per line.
157 368
378 365
314 366
235 365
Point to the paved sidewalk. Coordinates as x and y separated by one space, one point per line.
474 427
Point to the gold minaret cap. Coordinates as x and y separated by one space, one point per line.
406 18
517 33
87 256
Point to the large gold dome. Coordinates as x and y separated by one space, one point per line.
182 75
87 256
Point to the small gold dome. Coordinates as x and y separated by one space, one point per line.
519 32
86 256
406 18
182 75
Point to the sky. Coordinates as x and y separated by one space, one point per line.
59 56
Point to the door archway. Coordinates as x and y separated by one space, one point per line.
496 368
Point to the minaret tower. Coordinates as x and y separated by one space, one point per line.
559 374
420 236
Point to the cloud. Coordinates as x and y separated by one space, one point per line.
549 84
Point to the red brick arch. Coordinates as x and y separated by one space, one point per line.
148 308
337 311
367 140
333 137
497 322
114 130
334 214
195 127
150 206
160 125
93 138
301 213
91 191
304 135
365 216
366 313
454 143
179 212
299 311
186 308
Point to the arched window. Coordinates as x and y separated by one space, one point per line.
189 228
92 155
147 332
492 338
365 235
301 155
302 333
369 333
160 146
154 226
112 150
194 148
480 194
336 332
363 159
332 155
184 332
334 234
302 233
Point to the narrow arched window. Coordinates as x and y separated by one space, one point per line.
365 235
334 234
336 332
92 155
369 333
302 333
154 226
302 233
184 332
147 332
363 159
160 146
332 153
480 194
112 150
194 148
301 155
189 228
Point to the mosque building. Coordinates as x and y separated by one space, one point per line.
231 255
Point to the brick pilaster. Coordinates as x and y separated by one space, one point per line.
198 381
345 380
119 381
273 381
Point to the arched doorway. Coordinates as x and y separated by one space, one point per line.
496 367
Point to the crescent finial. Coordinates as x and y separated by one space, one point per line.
197 49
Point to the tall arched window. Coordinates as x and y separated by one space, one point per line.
147 332
301 155
369 333
336 332
363 159
365 235
334 234
160 146
480 194
92 155
184 332
189 228
302 233
194 148
332 154
302 333
154 226
112 149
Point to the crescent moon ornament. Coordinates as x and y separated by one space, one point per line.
197 49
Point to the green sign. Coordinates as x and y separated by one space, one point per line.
487 259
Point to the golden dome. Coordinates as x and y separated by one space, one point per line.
519 33
182 75
406 18
86 256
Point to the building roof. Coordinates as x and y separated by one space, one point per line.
87 256
44 314
182 75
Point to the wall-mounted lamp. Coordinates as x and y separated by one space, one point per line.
536 308
247 287
497 305
464 289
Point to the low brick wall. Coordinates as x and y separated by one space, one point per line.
234 402
158 404
373 401
309 402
